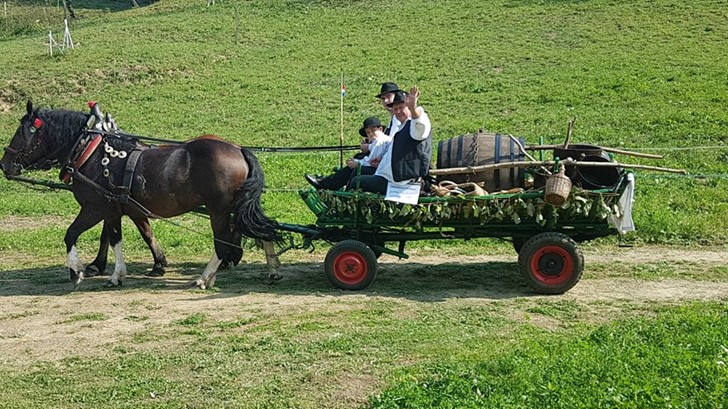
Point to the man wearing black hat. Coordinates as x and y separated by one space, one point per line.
408 159
378 145
386 96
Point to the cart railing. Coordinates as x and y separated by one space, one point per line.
490 215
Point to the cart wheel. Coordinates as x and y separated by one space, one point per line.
519 241
551 263
350 265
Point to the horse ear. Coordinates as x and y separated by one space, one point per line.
29 107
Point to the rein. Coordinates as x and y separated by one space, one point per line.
250 148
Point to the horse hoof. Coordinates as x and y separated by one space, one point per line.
91 271
273 277
197 284
156 272
76 278
110 284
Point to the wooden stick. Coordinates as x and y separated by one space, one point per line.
523 150
569 130
341 136
613 150
567 162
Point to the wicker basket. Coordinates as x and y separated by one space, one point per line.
558 187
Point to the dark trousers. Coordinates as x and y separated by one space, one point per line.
369 183
341 177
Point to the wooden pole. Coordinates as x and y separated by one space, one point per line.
613 150
341 136
5 9
567 162
569 130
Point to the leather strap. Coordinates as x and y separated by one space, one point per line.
131 163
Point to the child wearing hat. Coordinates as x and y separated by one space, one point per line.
408 158
379 143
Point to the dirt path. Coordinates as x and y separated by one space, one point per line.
47 321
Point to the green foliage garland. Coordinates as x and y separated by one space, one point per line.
581 205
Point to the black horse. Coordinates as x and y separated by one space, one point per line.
114 175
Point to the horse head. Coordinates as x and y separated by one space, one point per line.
41 140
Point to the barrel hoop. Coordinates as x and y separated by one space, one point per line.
496 159
449 153
512 172
459 157
440 161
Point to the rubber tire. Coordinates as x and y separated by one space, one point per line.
518 242
551 263
350 265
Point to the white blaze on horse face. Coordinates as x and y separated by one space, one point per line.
120 265
207 279
74 262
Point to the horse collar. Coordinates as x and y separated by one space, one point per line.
79 159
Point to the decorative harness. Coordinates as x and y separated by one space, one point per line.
94 133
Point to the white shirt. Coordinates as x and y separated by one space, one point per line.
419 131
377 148
393 125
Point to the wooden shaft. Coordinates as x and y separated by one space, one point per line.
613 150
567 162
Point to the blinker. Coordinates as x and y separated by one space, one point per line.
37 123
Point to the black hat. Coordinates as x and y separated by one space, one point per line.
387 87
371 121
399 96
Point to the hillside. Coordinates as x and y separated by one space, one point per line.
643 75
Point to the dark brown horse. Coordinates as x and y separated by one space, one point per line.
115 175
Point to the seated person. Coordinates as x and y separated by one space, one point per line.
408 159
379 143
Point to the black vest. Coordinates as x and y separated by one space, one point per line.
410 158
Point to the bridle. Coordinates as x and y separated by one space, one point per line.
35 156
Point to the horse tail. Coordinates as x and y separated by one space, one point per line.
249 217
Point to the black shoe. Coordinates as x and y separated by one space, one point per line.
314 181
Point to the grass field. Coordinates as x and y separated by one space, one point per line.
641 75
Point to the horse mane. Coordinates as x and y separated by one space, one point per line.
66 125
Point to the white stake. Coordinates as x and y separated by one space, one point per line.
67 40
5 8
50 43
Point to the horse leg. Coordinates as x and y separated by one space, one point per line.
234 254
271 258
223 235
160 261
86 219
116 242
98 266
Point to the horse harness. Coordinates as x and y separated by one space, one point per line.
86 145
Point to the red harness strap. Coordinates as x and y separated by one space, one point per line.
90 149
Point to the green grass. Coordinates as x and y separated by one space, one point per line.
645 75
636 75
674 360
430 354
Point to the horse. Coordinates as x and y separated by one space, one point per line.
116 175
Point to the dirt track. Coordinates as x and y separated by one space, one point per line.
35 323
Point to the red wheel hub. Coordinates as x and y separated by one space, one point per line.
350 267
552 265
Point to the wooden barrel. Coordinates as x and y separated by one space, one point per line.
482 149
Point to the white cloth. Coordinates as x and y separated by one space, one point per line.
624 222
419 131
377 149
393 126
